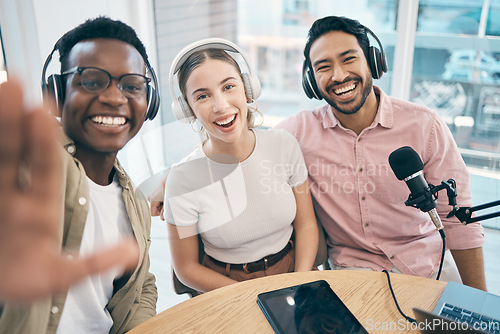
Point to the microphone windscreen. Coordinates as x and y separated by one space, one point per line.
405 162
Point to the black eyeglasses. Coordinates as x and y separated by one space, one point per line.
96 80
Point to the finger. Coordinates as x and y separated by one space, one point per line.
124 255
11 113
44 159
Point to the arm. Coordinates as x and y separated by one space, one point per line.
30 208
147 303
471 266
157 199
188 269
149 295
306 229
443 161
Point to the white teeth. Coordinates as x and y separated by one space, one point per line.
226 121
109 121
345 89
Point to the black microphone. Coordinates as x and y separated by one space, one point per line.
408 167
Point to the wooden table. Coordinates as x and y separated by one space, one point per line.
233 309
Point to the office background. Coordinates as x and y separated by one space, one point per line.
442 53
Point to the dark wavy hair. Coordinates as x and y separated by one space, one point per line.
337 23
100 27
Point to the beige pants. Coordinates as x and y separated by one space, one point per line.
449 273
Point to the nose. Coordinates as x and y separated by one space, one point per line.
113 95
339 74
220 102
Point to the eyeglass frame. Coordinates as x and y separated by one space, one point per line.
80 69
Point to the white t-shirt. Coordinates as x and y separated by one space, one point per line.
243 211
107 223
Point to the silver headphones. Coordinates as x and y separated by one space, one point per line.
180 107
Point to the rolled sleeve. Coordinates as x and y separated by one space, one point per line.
443 161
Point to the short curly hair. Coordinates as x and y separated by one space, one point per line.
100 27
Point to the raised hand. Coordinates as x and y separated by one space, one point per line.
31 262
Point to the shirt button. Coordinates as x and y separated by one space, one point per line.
82 200
359 139
366 225
392 257
71 149
54 310
363 198
361 169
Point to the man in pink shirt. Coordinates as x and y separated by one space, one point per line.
346 145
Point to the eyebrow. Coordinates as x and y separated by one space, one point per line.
205 89
340 55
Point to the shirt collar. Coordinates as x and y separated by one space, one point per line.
69 146
384 117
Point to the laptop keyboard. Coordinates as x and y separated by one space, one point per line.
474 320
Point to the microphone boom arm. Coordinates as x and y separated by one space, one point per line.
464 214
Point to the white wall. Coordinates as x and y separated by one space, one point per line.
30 29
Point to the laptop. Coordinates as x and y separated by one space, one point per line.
479 309
430 323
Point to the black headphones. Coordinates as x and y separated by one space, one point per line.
53 88
377 61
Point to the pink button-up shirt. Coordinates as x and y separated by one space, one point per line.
360 202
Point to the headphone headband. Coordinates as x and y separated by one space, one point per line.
204 44
378 41
181 109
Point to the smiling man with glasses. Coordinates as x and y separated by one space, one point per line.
103 97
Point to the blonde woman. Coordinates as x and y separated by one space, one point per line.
244 190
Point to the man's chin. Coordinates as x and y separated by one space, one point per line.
344 109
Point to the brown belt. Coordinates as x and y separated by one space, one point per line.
258 265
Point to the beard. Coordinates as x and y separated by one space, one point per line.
352 106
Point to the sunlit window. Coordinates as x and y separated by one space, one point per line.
275 37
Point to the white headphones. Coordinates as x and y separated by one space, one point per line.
180 107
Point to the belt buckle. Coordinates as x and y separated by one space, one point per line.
245 266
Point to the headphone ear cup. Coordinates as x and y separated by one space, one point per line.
309 84
153 103
376 63
182 110
383 62
252 87
54 90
